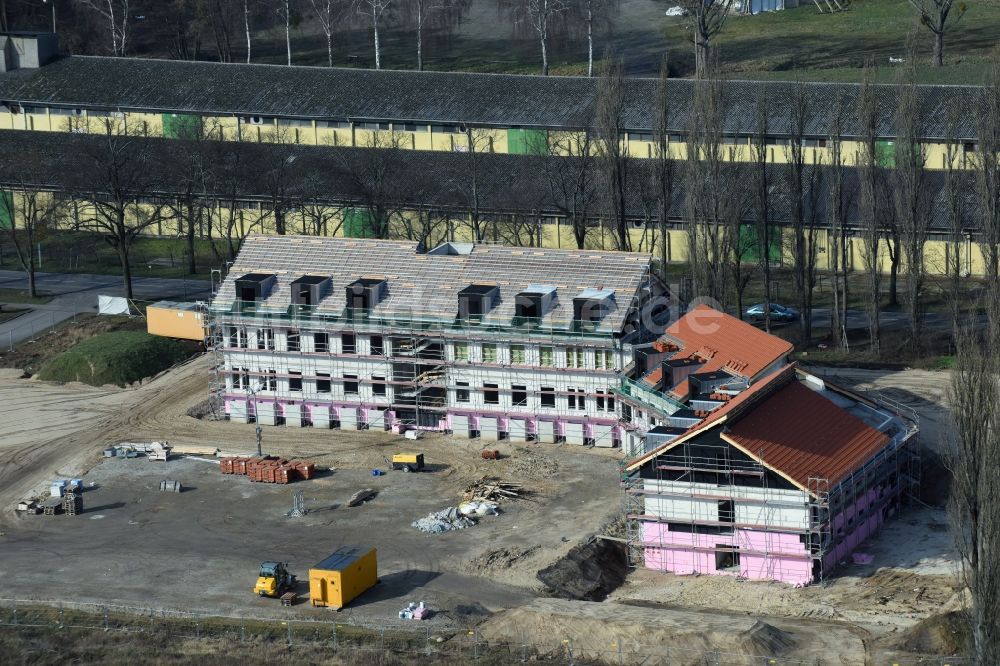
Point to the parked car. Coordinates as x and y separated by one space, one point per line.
779 313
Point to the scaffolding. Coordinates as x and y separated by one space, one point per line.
414 352
671 493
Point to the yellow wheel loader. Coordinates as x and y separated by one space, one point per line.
273 580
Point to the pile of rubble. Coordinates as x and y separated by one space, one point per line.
455 518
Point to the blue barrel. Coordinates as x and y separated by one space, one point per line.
377 472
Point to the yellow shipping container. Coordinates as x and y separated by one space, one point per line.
175 320
341 577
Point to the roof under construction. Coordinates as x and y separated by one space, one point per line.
426 285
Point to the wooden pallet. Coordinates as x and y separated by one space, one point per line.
289 598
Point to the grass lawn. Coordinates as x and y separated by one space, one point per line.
801 44
21 295
83 252
119 358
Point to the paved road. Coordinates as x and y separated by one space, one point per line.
76 293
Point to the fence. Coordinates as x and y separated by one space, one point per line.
423 641
39 323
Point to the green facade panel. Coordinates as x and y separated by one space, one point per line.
750 243
527 142
6 209
885 153
358 223
181 126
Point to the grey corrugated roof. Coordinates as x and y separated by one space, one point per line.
522 184
502 100
423 285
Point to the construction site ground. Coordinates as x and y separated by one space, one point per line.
199 550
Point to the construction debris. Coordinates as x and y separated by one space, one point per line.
445 520
362 496
488 489
415 610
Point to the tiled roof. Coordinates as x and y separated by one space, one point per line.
447 97
801 434
739 403
427 285
724 343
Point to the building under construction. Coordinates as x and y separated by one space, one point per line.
743 464
476 340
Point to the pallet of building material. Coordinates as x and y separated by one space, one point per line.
170 486
492 490
285 474
195 450
362 496
226 465
289 598
305 468
52 506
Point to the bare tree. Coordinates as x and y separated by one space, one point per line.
286 11
663 165
376 10
612 154
375 175
839 202
760 175
738 247
987 168
706 19
119 175
571 182
329 13
246 24
472 183
973 458
954 207
705 192
938 17
801 188
912 199
30 214
594 14
115 12
540 15
871 209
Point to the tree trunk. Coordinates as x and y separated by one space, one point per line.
893 244
192 266
126 267
545 57
701 47
288 33
420 36
246 25
590 37
329 48
938 49
378 48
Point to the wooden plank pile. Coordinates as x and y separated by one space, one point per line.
488 489
268 469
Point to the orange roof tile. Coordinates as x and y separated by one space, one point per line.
726 342
737 404
801 434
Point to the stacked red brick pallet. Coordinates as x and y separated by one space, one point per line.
269 469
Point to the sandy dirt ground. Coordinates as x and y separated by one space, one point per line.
199 549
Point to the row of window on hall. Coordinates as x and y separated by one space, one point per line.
322 383
385 125
490 394
470 352
518 395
